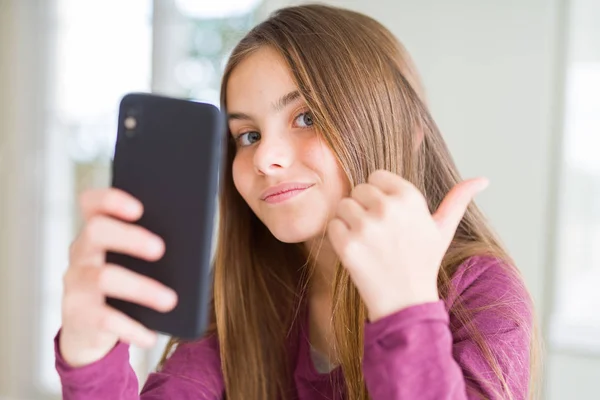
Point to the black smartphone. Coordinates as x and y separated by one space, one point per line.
167 155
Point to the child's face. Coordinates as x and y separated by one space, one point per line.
277 145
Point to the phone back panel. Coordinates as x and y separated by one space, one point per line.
170 162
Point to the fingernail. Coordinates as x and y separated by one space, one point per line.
155 246
168 298
483 184
133 208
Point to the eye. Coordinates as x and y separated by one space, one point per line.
304 120
247 138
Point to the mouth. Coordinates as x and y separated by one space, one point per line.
281 193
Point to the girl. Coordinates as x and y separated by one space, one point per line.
351 263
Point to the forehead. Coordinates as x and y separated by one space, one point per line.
262 77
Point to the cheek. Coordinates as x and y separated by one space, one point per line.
322 160
316 154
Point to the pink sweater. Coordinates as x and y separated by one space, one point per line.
420 352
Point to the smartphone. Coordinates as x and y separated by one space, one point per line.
167 155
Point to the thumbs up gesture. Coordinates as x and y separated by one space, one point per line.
390 243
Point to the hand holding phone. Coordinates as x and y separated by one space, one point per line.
143 259
90 328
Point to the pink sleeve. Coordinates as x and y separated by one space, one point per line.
424 352
108 378
192 372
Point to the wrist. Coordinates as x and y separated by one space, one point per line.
395 305
78 352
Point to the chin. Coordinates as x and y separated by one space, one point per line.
296 231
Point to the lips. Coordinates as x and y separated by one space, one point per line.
284 191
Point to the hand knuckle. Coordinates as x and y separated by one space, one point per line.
368 229
104 278
380 202
361 227
344 204
110 200
93 229
76 278
359 188
380 207
89 277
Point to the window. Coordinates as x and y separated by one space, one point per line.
575 323
103 50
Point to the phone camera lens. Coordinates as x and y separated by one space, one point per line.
130 123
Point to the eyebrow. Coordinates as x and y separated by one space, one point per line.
285 101
277 106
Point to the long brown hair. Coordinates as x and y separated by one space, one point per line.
367 103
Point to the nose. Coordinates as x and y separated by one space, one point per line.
274 153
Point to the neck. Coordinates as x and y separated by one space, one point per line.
320 293
323 256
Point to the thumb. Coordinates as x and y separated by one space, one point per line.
453 207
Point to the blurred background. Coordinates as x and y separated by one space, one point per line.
513 84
